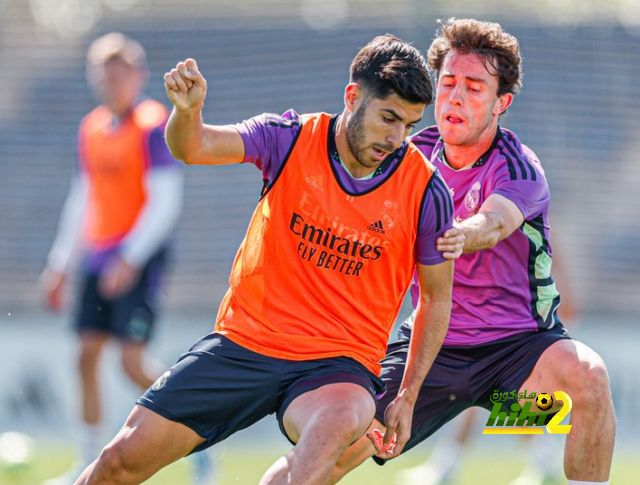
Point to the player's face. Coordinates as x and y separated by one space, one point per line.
119 85
377 127
467 103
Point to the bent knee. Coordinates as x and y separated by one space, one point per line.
111 463
588 377
352 424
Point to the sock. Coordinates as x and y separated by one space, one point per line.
578 482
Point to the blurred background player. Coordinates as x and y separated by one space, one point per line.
121 211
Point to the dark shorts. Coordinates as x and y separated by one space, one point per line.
464 377
130 317
220 387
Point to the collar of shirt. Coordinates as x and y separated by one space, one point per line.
484 158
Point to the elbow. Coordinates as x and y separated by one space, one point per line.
180 155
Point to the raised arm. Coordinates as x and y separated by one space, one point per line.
429 329
188 138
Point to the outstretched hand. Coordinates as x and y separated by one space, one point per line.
186 87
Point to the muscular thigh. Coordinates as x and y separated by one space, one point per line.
216 389
148 442
558 366
326 389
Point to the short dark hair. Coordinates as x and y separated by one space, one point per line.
388 64
499 49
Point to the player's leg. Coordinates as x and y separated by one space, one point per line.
323 423
214 390
356 454
92 324
203 466
146 443
442 397
91 349
134 317
137 366
574 368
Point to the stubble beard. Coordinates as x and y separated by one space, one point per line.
356 134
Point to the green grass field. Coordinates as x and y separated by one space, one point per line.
246 467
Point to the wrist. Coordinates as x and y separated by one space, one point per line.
408 395
193 112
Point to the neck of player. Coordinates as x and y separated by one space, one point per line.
461 156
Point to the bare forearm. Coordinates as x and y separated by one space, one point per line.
482 231
429 329
185 135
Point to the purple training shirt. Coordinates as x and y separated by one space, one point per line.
508 289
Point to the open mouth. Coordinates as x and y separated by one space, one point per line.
380 154
453 119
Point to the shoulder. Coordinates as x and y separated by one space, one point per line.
289 119
419 160
426 140
150 114
517 160
95 119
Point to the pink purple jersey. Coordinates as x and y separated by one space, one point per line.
268 139
508 289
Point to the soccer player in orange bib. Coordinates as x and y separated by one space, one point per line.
118 219
349 209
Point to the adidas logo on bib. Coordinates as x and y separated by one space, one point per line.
377 227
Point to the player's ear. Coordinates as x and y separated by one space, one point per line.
351 94
504 101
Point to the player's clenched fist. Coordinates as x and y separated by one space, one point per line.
185 85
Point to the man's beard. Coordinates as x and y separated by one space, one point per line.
355 133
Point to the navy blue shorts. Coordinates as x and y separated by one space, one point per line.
130 317
220 387
464 377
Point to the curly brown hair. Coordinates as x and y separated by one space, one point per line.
500 50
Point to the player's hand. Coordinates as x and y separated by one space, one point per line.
377 438
54 285
186 87
397 418
451 243
117 278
